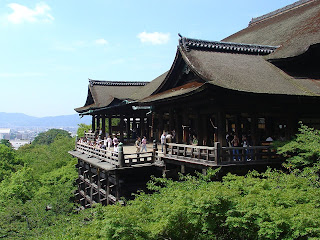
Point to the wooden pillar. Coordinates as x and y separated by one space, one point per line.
107 187
110 125
134 128
254 130
98 121
117 186
128 128
121 129
171 120
103 119
199 128
205 122
221 122
238 126
142 125
93 123
178 128
161 127
148 128
185 123
292 126
98 184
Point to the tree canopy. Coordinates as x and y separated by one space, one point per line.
49 136
5 142
37 200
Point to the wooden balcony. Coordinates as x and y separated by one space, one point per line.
113 159
220 156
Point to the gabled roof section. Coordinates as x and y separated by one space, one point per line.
294 28
247 73
105 93
177 92
237 67
149 88
217 46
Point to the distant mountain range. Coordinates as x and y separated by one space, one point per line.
14 120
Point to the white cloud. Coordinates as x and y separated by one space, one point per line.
101 41
22 13
154 38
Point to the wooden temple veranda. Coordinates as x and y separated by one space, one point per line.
257 84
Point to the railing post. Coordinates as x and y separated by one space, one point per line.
217 147
155 149
165 149
121 155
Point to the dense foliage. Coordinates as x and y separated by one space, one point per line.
9 162
82 128
270 205
304 150
5 142
49 136
38 178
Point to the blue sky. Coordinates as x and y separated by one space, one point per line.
49 49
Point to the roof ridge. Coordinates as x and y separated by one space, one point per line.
219 46
278 11
116 83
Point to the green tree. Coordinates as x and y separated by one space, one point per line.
304 150
83 128
9 162
46 138
5 142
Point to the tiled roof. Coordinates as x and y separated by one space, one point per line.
294 30
278 11
116 83
188 44
105 93
247 73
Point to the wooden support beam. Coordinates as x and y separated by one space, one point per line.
221 121
103 123
110 126
93 123
254 130
107 187
98 121
128 128
179 131
121 129
117 187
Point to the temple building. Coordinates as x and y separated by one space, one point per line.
256 84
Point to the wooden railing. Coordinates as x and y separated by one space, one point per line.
196 153
119 159
252 154
90 136
220 155
102 154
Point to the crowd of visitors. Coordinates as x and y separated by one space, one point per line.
105 143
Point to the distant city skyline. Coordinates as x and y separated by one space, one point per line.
49 49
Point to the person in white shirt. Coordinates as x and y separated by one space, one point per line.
163 140
109 142
115 144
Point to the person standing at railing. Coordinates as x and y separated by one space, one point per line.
168 138
235 143
115 143
245 144
144 144
138 144
163 140
109 142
